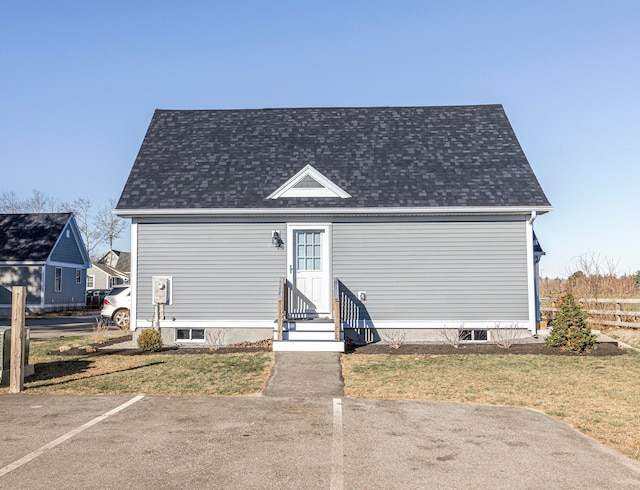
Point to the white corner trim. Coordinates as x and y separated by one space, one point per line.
133 279
531 276
329 189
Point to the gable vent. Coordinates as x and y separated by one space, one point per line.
309 183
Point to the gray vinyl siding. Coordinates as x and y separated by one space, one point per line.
220 271
435 271
67 250
29 276
71 293
100 278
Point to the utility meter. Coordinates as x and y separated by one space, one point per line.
161 290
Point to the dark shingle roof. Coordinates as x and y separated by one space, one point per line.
124 262
112 271
382 156
121 263
30 237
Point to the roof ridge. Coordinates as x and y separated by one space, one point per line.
316 108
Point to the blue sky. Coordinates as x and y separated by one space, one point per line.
79 82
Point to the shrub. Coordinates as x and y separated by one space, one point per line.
150 340
570 331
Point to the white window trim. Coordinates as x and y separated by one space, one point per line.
78 276
329 189
93 281
190 339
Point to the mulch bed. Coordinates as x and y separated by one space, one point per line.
604 349
106 348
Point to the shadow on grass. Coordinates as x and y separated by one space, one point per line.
60 369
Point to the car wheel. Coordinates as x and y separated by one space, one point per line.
121 319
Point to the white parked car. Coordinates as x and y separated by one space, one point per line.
117 305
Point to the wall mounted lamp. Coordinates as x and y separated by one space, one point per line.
276 239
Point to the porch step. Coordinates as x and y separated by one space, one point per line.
312 325
306 335
308 346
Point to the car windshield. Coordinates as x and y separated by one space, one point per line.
118 290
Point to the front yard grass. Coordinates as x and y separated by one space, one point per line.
599 396
150 374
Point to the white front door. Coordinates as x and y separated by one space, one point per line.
309 271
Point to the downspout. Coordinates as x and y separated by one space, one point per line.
532 269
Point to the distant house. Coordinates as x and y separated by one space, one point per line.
45 253
109 270
101 276
117 259
316 225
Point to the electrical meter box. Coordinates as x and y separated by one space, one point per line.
161 290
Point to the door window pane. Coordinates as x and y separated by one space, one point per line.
309 250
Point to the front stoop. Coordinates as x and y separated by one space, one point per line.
308 336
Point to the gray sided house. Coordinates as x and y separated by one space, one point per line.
45 253
101 276
317 225
109 270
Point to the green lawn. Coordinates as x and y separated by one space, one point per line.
151 374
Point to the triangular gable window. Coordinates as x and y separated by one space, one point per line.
309 183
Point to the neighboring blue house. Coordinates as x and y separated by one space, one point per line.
45 253
316 225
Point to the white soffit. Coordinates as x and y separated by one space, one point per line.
309 183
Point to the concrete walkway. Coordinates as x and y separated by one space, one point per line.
305 375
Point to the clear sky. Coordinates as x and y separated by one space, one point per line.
79 81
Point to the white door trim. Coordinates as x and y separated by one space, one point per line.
327 255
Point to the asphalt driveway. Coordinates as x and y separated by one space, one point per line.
57 442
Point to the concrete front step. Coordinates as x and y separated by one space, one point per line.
314 325
308 346
306 335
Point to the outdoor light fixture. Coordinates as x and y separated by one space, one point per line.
276 241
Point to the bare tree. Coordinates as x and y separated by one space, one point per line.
10 203
109 225
41 203
91 235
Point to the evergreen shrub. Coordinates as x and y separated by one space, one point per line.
570 331
150 340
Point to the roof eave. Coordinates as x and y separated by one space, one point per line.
395 211
22 262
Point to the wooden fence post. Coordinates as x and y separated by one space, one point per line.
336 308
18 302
282 293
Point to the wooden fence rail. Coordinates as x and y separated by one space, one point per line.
548 308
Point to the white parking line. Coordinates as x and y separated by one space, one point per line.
65 437
337 448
